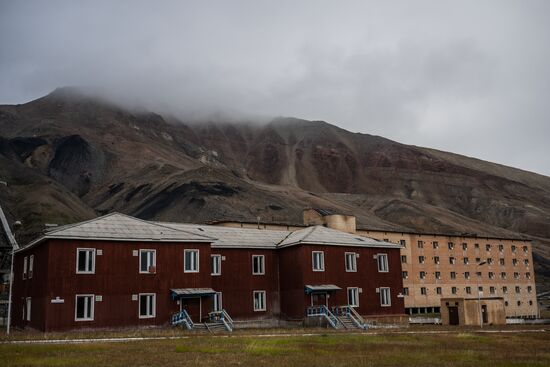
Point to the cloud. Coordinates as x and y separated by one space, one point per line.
467 77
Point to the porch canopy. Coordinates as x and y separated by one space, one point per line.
321 288
178 293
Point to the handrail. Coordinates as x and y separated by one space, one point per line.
350 312
224 317
323 311
183 317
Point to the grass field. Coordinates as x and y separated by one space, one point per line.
464 348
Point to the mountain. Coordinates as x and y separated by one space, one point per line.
69 156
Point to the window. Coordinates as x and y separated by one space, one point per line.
385 298
405 291
467 275
515 262
217 302
490 261
478 260
478 274
420 244
84 307
491 275
258 264
518 289
525 250
528 275
506 303
435 245
453 290
27 314
147 261
504 289
529 289
438 290
492 290
526 262
403 243
464 246
423 291
24 268
530 303
451 245
403 259
488 247
147 305
382 263
452 260
503 275
437 275
453 275
353 297
468 290
351 261
501 261
519 303
500 248
191 261
216 264
259 300
422 275
516 275
85 260
480 289
31 265
436 260
405 274
421 259
513 248
466 261
476 246
318 260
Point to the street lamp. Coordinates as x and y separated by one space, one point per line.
478 295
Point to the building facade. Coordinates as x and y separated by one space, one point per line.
119 271
439 265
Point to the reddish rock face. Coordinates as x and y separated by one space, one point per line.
69 157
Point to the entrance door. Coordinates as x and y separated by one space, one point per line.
484 315
319 299
192 306
453 316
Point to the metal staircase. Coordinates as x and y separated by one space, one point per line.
323 311
349 317
219 321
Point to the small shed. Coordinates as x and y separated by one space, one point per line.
466 311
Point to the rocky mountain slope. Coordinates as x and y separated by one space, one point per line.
68 157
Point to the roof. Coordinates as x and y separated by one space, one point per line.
121 227
319 235
191 292
230 237
321 288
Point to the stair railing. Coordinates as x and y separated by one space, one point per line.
224 317
324 312
182 317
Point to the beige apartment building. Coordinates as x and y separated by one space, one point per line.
436 266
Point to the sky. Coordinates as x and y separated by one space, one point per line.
470 77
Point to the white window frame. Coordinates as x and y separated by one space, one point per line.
31 266
262 298
261 259
216 264
154 262
385 297
152 313
385 268
353 296
88 250
197 257
25 260
217 301
28 308
353 262
321 260
91 305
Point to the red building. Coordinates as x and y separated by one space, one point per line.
119 271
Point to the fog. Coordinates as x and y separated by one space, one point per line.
469 77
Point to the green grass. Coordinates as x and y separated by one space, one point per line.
462 348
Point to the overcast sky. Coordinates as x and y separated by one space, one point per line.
471 77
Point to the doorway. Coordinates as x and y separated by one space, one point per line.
319 299
484 314
453 316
